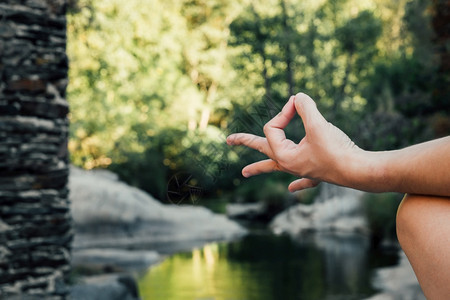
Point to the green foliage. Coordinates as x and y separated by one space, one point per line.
359 33
156 85
381 210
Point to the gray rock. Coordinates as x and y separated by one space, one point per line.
337 209
106 288
398 282
245 210
125 260
110 213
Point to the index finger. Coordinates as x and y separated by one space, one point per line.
273 129
250 140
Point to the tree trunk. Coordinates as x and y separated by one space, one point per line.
35 226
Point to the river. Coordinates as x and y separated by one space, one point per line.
264 266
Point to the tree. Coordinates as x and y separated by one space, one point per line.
157 84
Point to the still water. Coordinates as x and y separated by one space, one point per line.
265 267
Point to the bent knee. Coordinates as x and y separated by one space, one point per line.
423 230
420 217
407 214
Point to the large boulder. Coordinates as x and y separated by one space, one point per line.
110 213
336 209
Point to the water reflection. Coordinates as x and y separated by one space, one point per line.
267 267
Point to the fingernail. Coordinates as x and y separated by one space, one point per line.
245 174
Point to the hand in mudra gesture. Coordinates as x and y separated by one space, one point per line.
327 154
320 156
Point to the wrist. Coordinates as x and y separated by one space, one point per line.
367 171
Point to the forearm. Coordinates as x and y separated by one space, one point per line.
419 169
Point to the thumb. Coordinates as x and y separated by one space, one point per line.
302 183
307 109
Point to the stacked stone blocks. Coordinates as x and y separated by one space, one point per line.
35 223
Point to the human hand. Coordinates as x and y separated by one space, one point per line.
322 155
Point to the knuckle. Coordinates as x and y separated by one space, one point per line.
266 128
260 148
283 162
278 167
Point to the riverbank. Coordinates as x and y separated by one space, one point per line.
120 232
115 225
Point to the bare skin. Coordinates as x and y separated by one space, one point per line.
423 230
327 154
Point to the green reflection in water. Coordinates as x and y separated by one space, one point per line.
262 267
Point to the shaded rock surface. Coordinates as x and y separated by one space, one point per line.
115 259
337 209
109 213
109 287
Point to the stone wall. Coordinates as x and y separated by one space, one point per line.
35 223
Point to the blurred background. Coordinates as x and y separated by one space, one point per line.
156 86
